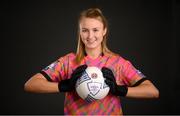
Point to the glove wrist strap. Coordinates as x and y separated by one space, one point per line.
63 86
122 90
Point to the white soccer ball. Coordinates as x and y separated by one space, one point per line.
91 85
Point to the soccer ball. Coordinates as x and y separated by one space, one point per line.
91 85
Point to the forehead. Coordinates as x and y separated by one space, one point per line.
90 23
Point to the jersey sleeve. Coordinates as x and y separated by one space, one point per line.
130 74
55 71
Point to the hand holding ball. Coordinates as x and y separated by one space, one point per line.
91 85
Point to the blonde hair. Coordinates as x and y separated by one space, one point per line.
97 14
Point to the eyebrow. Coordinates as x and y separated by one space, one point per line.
92 28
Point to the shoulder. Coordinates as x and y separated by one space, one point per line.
66 57
115 56
70 55
124 62
118 59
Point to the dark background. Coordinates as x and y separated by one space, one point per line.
36 33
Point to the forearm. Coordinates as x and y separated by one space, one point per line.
144 90
38 84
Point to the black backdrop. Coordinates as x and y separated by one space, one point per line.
36 33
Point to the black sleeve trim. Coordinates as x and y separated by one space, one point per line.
46 76
139 82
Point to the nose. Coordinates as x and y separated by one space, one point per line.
90 35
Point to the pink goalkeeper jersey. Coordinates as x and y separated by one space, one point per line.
123 70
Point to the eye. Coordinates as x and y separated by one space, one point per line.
95 30
84 30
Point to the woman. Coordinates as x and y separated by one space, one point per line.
122 78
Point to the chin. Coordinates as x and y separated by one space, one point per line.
91 46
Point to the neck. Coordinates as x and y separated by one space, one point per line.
94 53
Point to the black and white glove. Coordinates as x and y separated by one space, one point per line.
69 84
111 82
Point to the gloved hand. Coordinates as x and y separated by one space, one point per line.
111 82
69 84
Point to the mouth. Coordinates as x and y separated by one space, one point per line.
91 41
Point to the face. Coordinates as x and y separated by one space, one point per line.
91 32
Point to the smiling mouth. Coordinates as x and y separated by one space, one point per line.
91 42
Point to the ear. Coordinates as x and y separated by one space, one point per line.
104 31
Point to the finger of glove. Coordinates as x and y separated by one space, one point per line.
107 73
109 77
80 69
111 85
107 82
77 73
